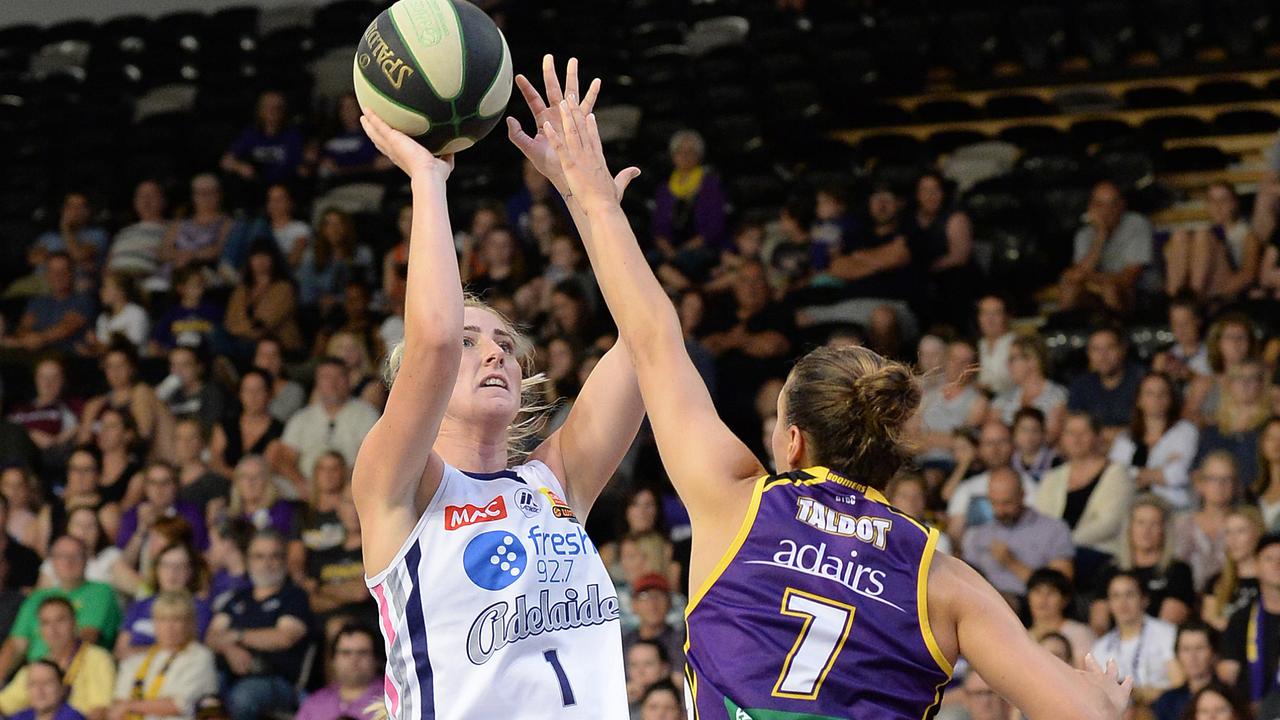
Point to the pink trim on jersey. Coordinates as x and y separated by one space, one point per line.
390 631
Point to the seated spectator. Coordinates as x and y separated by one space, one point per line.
494 264
333 421
662 701
1199 537
957 403
982 702
135 250
252 431
1217 262
321 528
909 493
1049 596
254 498
168 678
1140 645
640 515
177 569
570 315
1060 647
188 391
22 494
794 258
53 320
349 151
651 604
1195 656
834 224
1108 391
287 396
1232 340
967 503
356 664
335 576
1236 587
264 303
160 500
126 392
1218 701
47 694
228 559
931 362
1088 492
1188 356
198 240
942 249
1028 369
1032 455
135 566
21 560
82 523
690 208
83 243
50 418
1265 488
1111 252
534 188
120 460
1243 411
90 673
1250 650
1158 447
354 351
278 221
192 320
269 150
646 663
333 258
197 483
994 345
122 316
1148 555
261 634
1019 541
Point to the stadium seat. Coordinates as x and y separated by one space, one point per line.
945 111
1219 92
891 147
1044 171
1194 158
1078 99
1155 96
618 122
946 141
712 33
757 190
1035 137
1015 105
969 42
1175 126
1244 122
338 24
1087 132
1131 169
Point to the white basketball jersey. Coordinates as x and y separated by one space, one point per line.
498 606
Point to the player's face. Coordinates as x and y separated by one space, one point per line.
488 384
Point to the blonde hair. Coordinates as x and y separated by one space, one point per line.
533 409
236 505
1256 412
1166 514
331 349
1229 580
178 600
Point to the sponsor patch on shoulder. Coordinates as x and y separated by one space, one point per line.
559 507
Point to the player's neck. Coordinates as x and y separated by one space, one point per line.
468 447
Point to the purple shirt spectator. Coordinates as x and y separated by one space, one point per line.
142 631
189 512
707 216
327 704
275 157
65 712
280 517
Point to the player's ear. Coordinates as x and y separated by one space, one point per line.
795 448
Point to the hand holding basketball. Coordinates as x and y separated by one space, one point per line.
582 157
408 155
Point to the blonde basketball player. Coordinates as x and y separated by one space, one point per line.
812 596
493 602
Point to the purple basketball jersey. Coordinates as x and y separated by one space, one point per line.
817 610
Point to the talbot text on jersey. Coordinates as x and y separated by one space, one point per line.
493 630
867 529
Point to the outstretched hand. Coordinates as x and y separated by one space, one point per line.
1106 680
404 151
582 157
538 148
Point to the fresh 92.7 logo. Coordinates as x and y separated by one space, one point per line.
494 560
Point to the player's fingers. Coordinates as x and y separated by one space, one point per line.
571 77
573 139
1090 664
624 179
593 134
518 136
550 81
554 137
530 94
593 92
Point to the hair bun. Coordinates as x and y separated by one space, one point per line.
888 396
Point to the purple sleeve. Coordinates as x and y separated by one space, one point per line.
283 520
137 610
128 526
241 146
192 514
709 211
664 207
204 616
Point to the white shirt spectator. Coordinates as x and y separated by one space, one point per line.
1144 657
191 675
993 363
1128 245
290 235
310 432
131 322
1173 453
1009 403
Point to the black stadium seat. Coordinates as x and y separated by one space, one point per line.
943 111
1217 92
1155 96
1246 122
1195 158
1175 126
1015 105
1240 26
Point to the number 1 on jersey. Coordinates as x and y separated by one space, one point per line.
826 627
566 692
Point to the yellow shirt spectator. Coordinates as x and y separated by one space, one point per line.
91 677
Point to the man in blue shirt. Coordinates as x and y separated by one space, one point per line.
57 320
85 244
1108 391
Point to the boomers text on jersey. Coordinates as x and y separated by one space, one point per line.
498 606
818 610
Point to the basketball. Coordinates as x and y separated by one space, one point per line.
436 70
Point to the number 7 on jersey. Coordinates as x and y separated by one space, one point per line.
826 627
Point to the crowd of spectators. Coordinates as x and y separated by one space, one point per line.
187 381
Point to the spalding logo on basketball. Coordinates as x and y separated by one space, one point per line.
493 560
437 70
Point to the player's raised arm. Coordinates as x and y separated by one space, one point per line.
704 459
390 471
602 424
